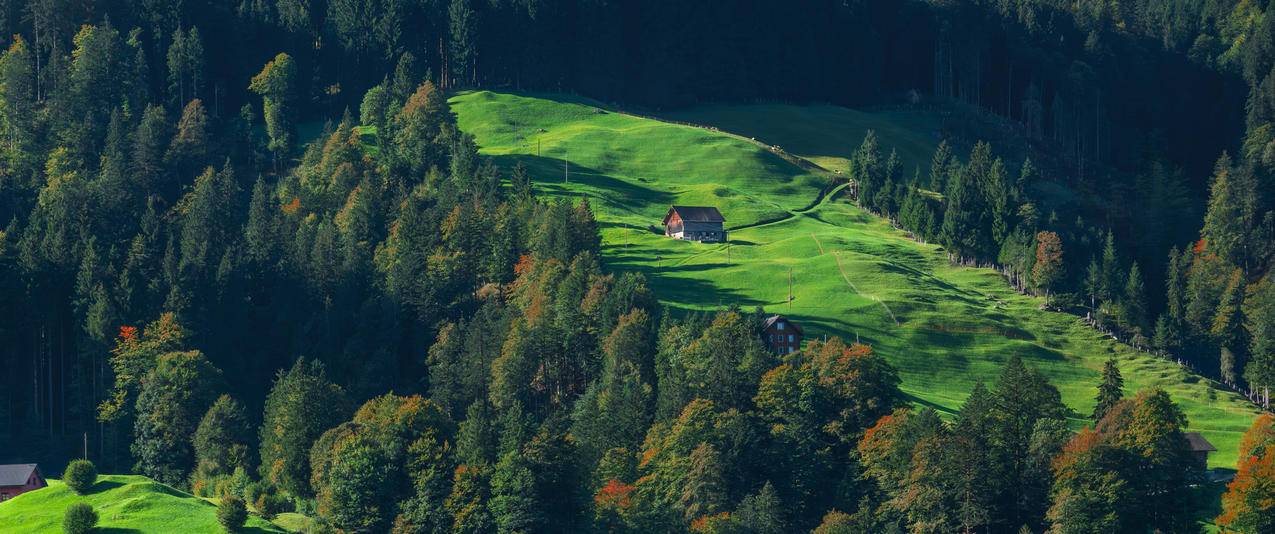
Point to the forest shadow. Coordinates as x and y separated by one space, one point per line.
547 177
913 399
695 291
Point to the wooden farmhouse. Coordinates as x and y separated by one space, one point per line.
1200 448
16 479
695 223
781 335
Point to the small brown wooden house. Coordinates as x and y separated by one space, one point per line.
695 223
16 479
1200 448
781 335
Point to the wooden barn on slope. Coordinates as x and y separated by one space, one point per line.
695 223
16 479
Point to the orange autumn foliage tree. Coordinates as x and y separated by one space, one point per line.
1249 502
1049 265
135 354
612 506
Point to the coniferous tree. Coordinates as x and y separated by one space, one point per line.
1228 330
301 406
1112 283
1259 322
222 439
464 41
1230 215
514 506
1110 391
940 166
1134 299
1093 282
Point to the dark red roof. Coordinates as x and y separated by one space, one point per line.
695 214
770 321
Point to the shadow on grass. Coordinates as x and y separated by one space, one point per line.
913 399
104 485
547 175
114 530
1207 499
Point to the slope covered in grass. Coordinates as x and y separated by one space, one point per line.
124 503
826 135
852 275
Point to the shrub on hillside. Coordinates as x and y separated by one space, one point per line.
239 482
271 504
232 513
80 476
79 519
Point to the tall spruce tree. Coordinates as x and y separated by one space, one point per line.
1110 391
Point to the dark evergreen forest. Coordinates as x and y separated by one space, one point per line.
395 335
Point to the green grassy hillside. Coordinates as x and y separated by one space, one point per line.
852 275
124 503
826 135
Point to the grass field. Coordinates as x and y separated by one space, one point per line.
124 503
852 275
826 135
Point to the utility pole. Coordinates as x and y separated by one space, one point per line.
566 174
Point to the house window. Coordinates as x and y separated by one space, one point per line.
790 338
781 326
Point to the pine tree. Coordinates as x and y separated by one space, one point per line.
514 504
1110 391
149 143
868 169
1111 280
1135 300
1093 282
222 439
940 166
1259 321
464 43
260 237
1228 328
1175 287
1231 213
476 441
301 406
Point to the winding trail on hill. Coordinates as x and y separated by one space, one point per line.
839 181
846 277
816 238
